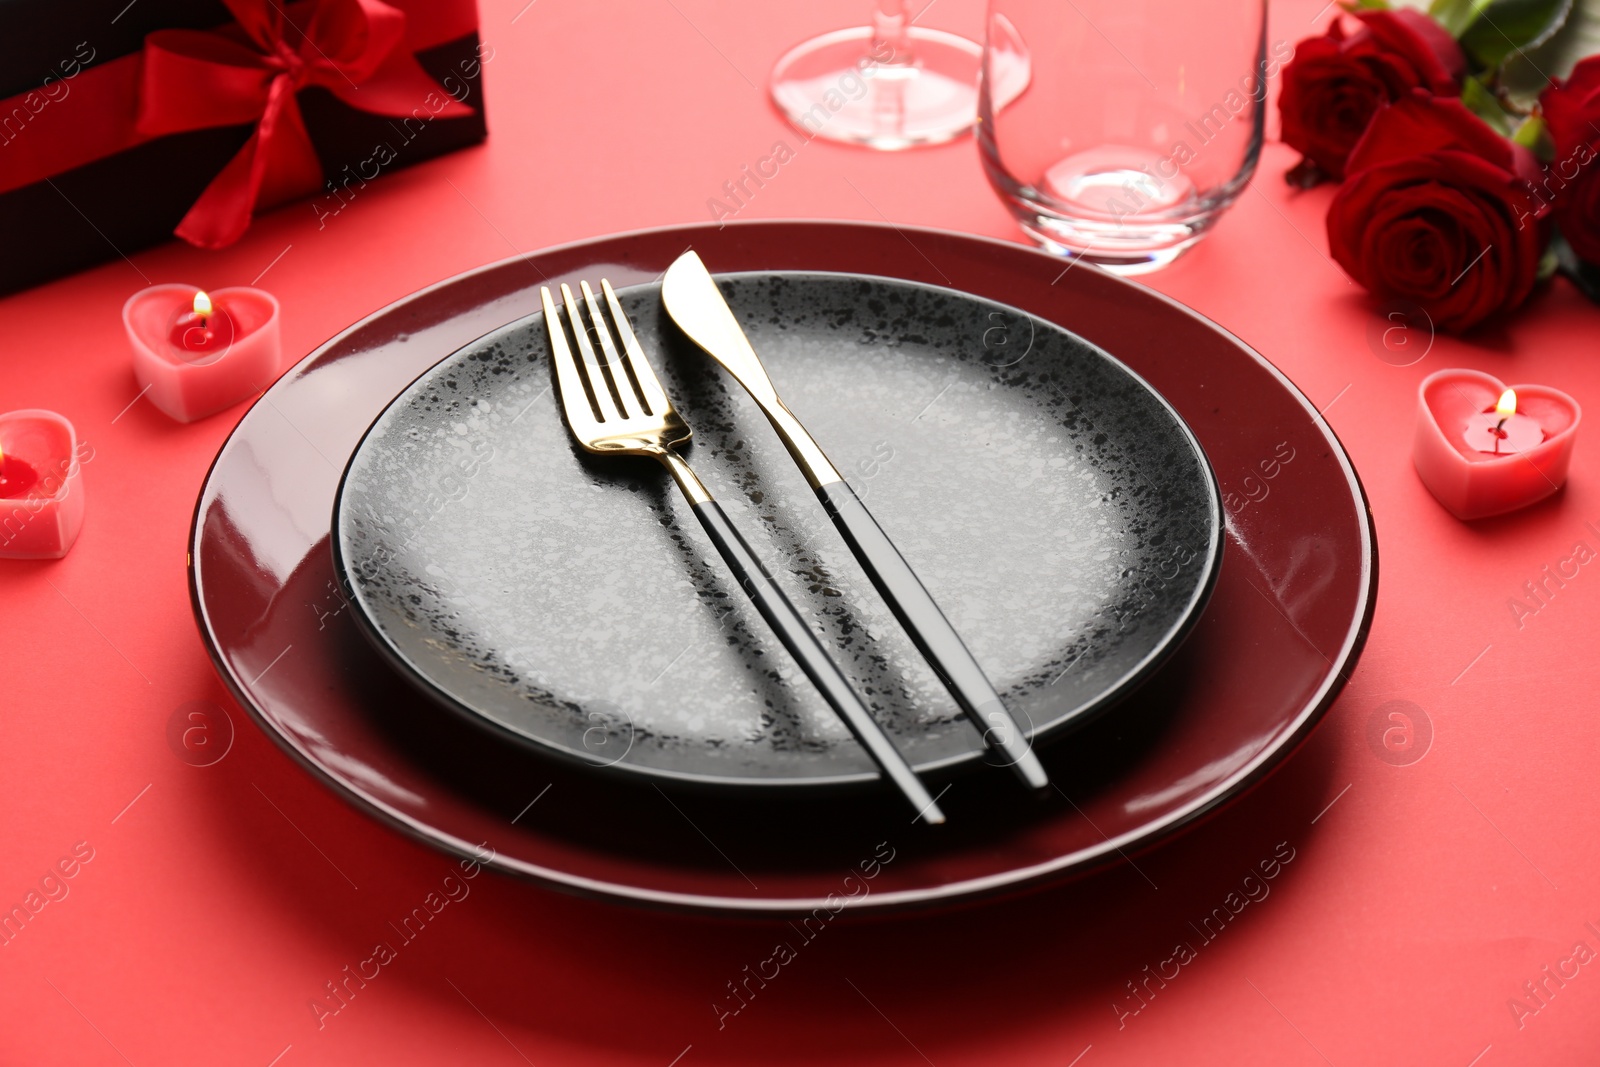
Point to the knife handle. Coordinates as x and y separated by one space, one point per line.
807 650
932 633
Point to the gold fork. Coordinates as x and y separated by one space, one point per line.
615 406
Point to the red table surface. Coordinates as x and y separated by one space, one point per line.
219 900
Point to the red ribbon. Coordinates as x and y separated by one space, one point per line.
250 72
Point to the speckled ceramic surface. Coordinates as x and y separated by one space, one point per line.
1281 634
1057 508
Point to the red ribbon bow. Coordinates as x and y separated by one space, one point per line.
194 79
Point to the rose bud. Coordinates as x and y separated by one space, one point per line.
1439 209
1571 111
1336 83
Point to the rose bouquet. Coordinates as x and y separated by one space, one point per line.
1467 140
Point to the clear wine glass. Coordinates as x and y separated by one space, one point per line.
1140 126
890 85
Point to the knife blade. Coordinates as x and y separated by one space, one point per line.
694 302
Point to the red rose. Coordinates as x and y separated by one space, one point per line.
1572 112
1336 83
1439 209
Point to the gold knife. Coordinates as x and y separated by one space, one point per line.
695 303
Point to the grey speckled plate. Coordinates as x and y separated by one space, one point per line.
1056 507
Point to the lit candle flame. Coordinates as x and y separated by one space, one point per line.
1507 405
202 304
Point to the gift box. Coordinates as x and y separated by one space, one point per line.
122 124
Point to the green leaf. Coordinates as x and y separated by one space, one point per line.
1456 15
1535 136
1305 175
1504 27
1586 276
1483 104
1526 74
1549 263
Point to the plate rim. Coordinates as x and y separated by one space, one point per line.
1014 880
970 760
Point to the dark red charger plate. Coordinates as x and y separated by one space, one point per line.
1276 642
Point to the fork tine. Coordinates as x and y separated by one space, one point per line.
600 391
574 398
655 398
621 388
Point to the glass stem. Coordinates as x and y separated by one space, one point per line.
891 33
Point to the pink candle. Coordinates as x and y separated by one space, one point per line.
197 353
41 487
1484 449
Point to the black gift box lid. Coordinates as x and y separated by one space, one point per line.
132 200
40 39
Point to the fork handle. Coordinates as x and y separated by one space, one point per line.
804 645
932 633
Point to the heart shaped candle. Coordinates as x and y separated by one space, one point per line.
1484 449
197 353
41 491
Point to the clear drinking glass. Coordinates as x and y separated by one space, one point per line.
1140 125
890 84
